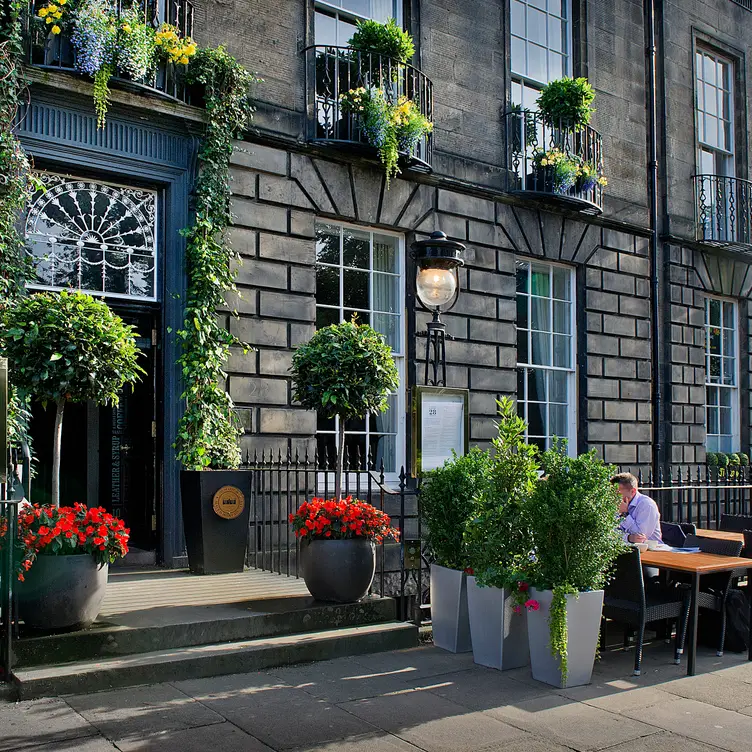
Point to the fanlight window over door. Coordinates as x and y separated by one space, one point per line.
93 236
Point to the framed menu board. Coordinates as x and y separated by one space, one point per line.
441 425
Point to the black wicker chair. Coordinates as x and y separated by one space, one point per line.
714 588
735 523
747 550
672 534
626 601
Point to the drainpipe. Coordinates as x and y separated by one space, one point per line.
652 107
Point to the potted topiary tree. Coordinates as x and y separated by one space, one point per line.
445 504
67 347
499 548
344 371
572 519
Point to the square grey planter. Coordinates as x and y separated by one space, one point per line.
499 635
449 618
583 630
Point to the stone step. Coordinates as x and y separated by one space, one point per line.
180 627
211 660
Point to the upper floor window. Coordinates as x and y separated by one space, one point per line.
715 114
545 352
359 271
721 376
541 46
93 236
336 20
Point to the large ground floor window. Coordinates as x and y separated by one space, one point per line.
546 352
360 272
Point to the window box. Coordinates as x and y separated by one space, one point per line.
334 71
55 52
557 162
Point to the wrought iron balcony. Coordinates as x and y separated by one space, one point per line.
555 161
334 71
723 211
55 52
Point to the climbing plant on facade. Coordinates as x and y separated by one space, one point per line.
16 184
208 431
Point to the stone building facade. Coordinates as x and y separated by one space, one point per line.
556 307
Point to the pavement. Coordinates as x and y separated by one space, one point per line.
406 701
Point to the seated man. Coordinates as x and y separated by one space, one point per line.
641 519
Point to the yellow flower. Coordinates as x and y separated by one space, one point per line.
126 28
49 20
58 14
55 29
62 2
52 7
184 60
43 12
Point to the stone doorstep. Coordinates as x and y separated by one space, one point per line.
212 660
192 626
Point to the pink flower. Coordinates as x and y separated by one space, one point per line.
516 609
532 605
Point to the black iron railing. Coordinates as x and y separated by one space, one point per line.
55 52
281 483
723 211
700 494
555 160
334 71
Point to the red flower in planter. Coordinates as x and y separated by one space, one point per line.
523 586
338 520
67 531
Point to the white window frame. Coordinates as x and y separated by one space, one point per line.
571 436
523 79
347 16
37 285
728 156
391 477
733 389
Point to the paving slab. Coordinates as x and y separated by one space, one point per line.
93 744
418 662
433 723
576 725
224 737
140 711
481 688
705 723
28 724
231 690
663 742
379 742
343 680
713 689
617 696
285 717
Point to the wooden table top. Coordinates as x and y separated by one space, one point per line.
721 535
697 562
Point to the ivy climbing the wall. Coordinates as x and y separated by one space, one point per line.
16 184
208 431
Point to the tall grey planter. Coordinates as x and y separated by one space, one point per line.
449 618
499 635
583 629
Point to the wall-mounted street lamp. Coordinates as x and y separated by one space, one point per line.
437 285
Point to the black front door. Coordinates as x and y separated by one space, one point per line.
127 445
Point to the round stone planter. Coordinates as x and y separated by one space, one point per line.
62 592
338 571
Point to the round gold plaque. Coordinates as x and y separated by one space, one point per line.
229 502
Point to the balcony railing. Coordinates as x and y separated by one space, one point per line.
723 211
333 71
55 52
555 161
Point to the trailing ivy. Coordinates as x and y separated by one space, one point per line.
208 431
16 184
